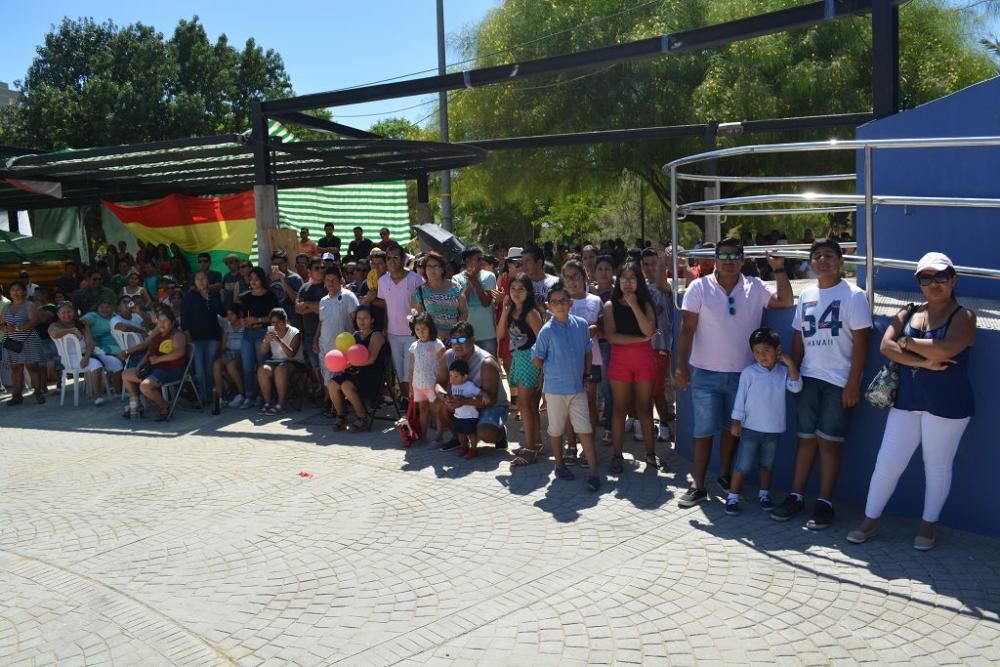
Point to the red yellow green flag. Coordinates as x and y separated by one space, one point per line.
217 225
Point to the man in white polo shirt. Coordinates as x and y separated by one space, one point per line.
719 313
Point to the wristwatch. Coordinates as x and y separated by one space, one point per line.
903 342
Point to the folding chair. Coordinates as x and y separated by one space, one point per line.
70 355
388 396
178 385
125 340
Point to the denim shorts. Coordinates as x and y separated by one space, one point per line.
164 376
713 394
756 449
495 415
821 412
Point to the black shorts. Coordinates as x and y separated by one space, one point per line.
466 426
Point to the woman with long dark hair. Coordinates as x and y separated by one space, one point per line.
520 322
24 350
629 325
257 303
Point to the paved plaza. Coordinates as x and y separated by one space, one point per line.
242 540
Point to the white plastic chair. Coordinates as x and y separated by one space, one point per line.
70 355
125 340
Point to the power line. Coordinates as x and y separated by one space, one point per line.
510 48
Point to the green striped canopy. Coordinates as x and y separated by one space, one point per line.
370 206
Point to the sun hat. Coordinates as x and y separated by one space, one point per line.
329 256
515 252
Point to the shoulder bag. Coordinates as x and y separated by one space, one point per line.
881 393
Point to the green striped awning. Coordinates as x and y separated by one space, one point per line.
371 206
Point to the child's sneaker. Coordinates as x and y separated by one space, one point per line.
562 472
767 504
593 483
471 454
733 506
569 455
462 450
693 497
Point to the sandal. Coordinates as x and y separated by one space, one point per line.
359 424
16 399
163 416
39 397
651 462
526 456
341 424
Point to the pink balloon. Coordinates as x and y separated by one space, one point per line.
357 354
335 361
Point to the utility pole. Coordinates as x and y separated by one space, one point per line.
443 115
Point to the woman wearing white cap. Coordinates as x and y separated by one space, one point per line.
934 401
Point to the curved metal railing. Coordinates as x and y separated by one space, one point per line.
812 203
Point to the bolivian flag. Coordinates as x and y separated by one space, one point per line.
219 226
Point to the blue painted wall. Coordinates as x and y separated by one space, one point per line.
969 237
909 232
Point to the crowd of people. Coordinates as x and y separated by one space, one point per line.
583 336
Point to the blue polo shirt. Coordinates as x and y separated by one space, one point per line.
562 346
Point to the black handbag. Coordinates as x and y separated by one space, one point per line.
14 346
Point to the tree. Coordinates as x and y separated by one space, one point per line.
95 84
396 128
822 70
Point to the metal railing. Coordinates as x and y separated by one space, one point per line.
812 203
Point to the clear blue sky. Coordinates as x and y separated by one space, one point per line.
325 45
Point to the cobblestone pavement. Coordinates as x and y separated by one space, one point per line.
199 542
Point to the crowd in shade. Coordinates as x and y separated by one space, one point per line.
492 342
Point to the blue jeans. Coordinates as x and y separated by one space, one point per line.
251 357
205 352
312 358
821 411
713 394
756 449
604 388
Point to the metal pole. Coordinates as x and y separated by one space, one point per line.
443 115
642 213
869 231
885 58
265 197
673 232
713 227
423 200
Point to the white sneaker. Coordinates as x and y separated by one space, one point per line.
637 431
238 401
99 401
663 435
630 423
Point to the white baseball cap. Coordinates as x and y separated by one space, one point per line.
330 256
937 261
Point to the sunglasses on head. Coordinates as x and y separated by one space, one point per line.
940 277
729 256
459 340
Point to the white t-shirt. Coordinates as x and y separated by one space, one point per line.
589 308
335 316
722 339
425 362
467 389
827 319
132 324
278 352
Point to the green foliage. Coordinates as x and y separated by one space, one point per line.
822 70
95 84
396 128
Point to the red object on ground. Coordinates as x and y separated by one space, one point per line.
305 474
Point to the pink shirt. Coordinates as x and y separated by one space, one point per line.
722 340
397 297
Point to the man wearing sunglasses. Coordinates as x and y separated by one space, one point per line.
832 325
719 313
484 371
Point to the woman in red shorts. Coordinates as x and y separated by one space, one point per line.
629 325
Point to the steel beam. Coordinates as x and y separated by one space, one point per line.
792 18
323 125
885 58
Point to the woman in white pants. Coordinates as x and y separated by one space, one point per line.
934 402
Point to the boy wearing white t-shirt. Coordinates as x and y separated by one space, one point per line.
832 325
